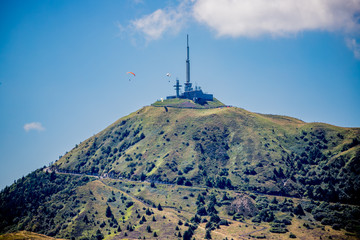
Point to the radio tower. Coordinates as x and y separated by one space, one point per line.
177 88
187 83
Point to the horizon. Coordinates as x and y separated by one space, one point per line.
63 65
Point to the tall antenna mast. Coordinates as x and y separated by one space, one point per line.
187 83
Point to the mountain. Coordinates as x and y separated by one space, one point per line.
264 153
178 161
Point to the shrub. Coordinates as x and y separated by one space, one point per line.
278 230
327 221
129 204
188 183
292 235
224 222
336 226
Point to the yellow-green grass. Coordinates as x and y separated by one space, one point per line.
22 235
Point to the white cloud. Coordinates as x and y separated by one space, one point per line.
252 18
255 18
354 46
33 126
156 24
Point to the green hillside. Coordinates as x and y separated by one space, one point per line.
180 170
227 148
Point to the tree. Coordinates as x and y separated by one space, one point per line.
200 199
225 197
155 234
214 218
99 235
159 207
211 208
180 180
108 212
196 219
209 182
52 176
148 212
152 185
201 211
213 198
86 220
187 235
298 210
207 234
148 229
188 183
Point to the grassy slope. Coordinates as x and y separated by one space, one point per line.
246 146
22 235
178 203
84 213
198 144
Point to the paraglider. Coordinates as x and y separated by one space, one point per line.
130 73
168 75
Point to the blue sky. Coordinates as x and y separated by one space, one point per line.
63 65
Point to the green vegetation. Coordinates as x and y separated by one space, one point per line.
204 171
186 103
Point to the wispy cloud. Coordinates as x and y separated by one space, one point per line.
253 18
354 46
34 126
168 20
